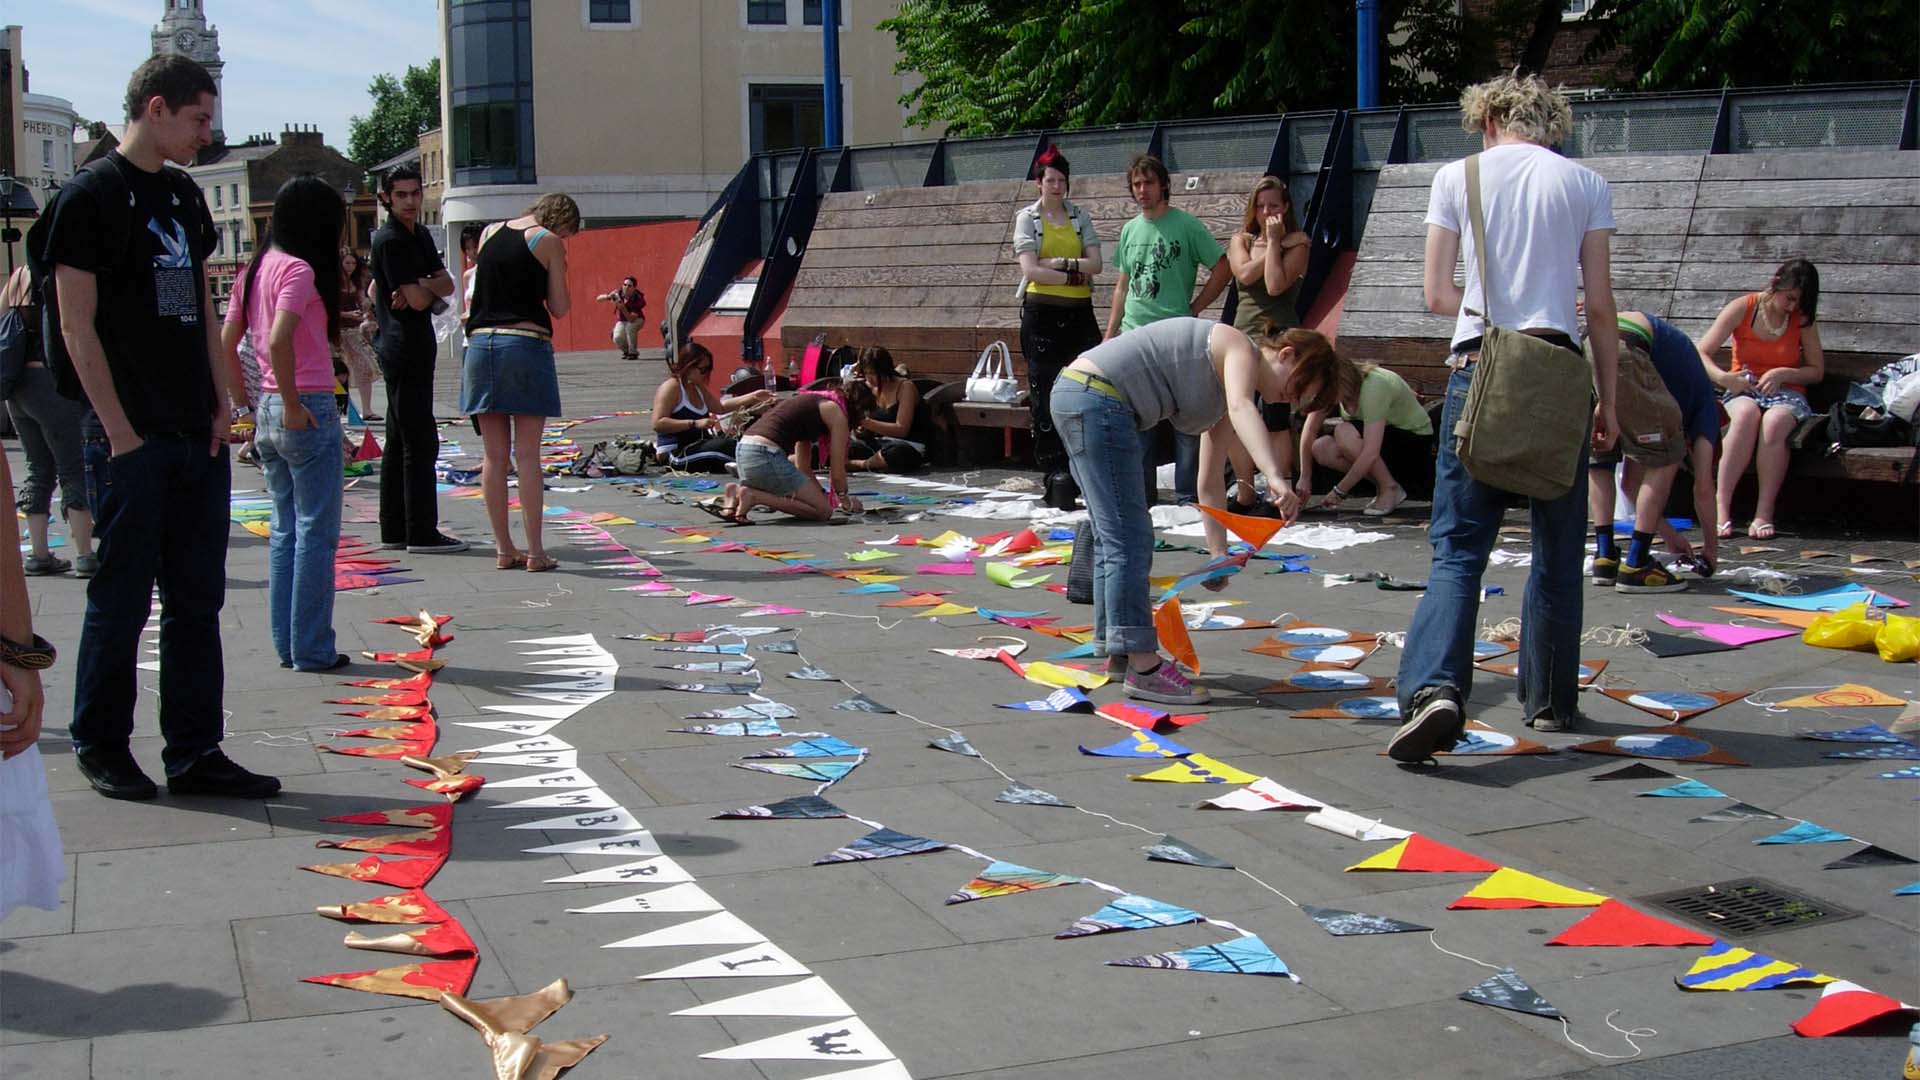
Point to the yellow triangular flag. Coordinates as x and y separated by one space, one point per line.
1196 769
945 609
258 528
1058 677
1846 695
876 578
1510 888
942 540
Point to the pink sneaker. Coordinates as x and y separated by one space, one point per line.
1166 685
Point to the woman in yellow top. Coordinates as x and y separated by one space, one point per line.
1382 433
1059 254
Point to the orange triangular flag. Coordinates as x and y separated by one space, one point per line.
369 448
1614 923
917 600
1254 530
1173 633
1786 616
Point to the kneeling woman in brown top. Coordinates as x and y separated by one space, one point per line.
770 477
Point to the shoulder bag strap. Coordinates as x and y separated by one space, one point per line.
1477 216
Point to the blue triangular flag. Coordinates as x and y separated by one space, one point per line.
1806 832
1873 733
1241 956
1069 699
1908 890
353 415
1131 913
995 613
825 772
829 746
880 844
1078 652
1139 744
875 587
1686 789
1911 772
1885 752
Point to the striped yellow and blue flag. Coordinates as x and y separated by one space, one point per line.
1728 967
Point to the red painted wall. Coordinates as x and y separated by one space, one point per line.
596 261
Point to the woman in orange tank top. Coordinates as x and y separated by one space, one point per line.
1776 356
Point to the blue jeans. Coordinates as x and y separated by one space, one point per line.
160 517
1102 440
1186 467
1466 525
303 476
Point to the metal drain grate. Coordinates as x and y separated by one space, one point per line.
1747 907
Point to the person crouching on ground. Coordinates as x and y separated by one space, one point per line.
769 477
507 379
1201 376
1381 434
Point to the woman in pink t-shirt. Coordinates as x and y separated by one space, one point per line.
286 305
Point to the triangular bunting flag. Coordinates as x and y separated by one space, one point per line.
1479 740
1844 696
633 843
822 772
1507 990
800 806
863 703
1264 794
1685 789
1871 855
400 873
1614 923
1355 826
1345 655
684 898
1325 680
1360 708
617 819
1896 752
1508 888
426 980
1173 634
763 960
1666 744
1738 812
1256 531
1347 923
559 779
447 939
411 907
659 870
880 844
1805 832
720 928
955 744
1635 771
1131 913
1066 699
1138 744
1844 1006
808 997
1417 853
824 746
1727 967
1675 706
1005 879
1241 956
1172 849
1021 794
1198 769
838 1042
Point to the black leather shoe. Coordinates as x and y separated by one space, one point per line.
114 773
339 661
216 774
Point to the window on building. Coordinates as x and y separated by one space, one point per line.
233 191
609 11
766 12
810 12
490 91
784 116
46 152
1575 9
216 196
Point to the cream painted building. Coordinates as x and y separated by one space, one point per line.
645 109
45 155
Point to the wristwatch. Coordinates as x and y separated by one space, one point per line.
37 655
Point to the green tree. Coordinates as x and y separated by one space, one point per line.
1005 65
1710 44
402 109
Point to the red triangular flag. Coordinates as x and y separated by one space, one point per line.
1254 530
1614 923
429 980
369 449
1417 853
1021 543
1844 1006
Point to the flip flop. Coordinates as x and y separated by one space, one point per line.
713 509
1725 530
542 564
1760 530
518 562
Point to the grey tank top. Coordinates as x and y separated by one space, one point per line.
1165 371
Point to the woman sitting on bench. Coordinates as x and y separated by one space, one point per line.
894 436
687 424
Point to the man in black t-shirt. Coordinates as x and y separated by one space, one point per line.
408 281
129 242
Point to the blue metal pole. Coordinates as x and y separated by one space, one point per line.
1367 49
830 70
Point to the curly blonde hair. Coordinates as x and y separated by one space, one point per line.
556 212
1522 104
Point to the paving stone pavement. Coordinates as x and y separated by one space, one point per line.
186 927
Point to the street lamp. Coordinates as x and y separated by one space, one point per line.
8 234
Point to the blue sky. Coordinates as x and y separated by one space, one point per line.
288 61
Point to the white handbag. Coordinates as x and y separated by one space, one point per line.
992 379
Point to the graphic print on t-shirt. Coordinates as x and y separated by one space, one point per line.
1145 283
176 293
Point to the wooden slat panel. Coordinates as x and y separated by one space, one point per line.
1815 193
940 255
929 222
1813 221
984 233
1885 341
1825 164
952 195
958 297
1835 307
1765 251
1731 279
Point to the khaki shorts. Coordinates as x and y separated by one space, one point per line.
1651 431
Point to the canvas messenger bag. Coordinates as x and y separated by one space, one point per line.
1530 408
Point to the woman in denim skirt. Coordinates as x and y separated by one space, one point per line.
286 304
507 380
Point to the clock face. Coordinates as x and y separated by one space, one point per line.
186 40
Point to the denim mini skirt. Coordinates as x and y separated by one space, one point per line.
509 373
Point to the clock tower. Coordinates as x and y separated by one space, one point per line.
183 30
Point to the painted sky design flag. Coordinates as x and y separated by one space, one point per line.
863 703
800 806
717 667
1871 855
1241 956
1588 670
1482 741
758 729
1666 744
762 960
720 928
762 710
1737 812
1131 913
808 997
1172 849
1508 889
1324 680
1349 923
1728 967
1911 772
1675 706
426 980
823 772
1360 708
683 898
659 870
1341 654
837 1042
954 744
1805 832
1067 699
1865 733
1305 633
826 746
813 674
1020 794
1908 890
880 844
1138 744
1198 769
732 648
780 646
1844 1006
1507 990
1264 794
713 688
1686 789
1898 752
1417 853
1614 923
1005 879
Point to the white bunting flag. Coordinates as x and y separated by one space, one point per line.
722 928
808 997
614 820
847 1041
539 743
886 1070
674 899
578 701
659 870
1354 826
1265 794
552 759
557 780
584 799
525 729
571 640
547 712
633 843
762 959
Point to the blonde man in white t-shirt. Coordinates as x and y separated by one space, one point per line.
1549 223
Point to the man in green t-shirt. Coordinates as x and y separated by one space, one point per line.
1159 255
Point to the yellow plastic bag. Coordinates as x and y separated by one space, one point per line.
1898 639
1848 628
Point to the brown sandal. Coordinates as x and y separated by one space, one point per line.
541 564
518 562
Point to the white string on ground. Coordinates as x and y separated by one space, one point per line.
558 592
1774 706
1629 1034
1433 938
1614 637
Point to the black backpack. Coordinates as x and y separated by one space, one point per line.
117 219
1848 426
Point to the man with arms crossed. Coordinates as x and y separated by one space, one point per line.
1546 216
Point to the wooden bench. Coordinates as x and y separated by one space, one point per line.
1695 232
